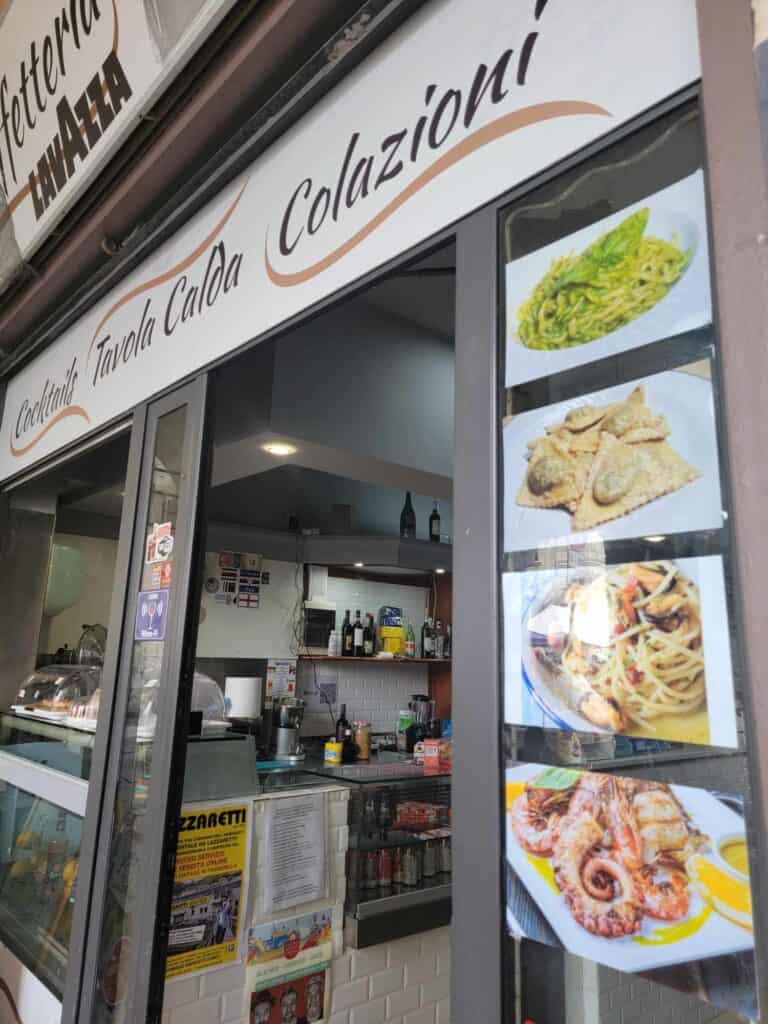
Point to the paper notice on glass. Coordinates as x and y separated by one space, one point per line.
295 837
281 677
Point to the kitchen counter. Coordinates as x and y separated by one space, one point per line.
384 766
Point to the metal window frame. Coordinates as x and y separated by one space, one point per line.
81 1003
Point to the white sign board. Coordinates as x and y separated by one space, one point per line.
76 77
458 106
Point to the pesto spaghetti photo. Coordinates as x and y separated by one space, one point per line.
616 279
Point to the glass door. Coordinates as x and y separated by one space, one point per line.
149 726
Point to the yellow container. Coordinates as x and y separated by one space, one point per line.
392 639
332 752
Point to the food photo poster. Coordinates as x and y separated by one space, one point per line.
634 277
637 875
637 459
637 649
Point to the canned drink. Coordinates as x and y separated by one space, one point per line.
385 868
430 858
371 869
411 865
446 856
398 875
385 810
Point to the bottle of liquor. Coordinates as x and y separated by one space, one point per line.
448 646
342 725
357 641
439 639
427 639
368 636
410 641
408 518
347 636
434 524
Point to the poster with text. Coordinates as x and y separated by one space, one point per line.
638 459
209 889
634 648
634 277
303 1000
638 875
279 949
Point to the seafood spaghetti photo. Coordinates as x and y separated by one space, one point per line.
633 649
628 872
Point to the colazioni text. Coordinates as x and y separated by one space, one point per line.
446 112
189 299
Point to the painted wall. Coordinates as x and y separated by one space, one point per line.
99 556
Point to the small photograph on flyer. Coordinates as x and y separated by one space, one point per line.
634 460
634 277
634 648
302 1000
637 875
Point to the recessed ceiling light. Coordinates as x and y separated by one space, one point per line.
440 572
657 538
279 448
359 565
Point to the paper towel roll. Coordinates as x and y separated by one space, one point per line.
243 694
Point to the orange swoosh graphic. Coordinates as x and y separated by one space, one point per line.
505 125
72 410
168 274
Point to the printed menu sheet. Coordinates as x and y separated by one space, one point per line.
295 869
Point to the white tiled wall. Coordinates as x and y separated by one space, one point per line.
403 982
369 597
372 692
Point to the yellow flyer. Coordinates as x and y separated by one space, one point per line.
209 888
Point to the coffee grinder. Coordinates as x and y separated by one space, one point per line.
287 716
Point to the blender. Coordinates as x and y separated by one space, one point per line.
287 718
423 711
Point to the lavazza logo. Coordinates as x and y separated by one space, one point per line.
442 132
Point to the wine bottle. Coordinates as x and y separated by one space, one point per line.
368 636
439 639
434 524
357 642
427 639
347 636
448 647
342 725
408 518
410 641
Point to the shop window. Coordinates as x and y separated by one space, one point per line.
626 786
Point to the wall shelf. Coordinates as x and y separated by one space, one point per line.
377 661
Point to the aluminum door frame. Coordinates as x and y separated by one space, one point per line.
170 740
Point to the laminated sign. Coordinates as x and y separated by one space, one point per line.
209 889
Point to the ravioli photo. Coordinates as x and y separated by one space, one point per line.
637 276
633 460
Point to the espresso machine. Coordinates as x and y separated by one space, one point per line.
287 716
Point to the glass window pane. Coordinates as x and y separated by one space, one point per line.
129 837
626 782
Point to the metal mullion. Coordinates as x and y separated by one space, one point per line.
477 853
142 442
87 890
156 856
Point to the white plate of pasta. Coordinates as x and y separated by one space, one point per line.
636 648
611 864
636 276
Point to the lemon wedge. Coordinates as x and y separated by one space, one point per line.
723 890
514 789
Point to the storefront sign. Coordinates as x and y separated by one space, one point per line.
77 75
209 889
480 104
